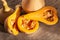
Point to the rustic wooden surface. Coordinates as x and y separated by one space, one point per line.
45 32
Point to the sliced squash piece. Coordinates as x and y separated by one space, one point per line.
10 22
47 15
27 26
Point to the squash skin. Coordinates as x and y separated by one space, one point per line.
32 5
38 15
5 11
4 15
10 23
23 29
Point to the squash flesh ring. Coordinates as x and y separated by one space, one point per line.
38 15
10 22
25 30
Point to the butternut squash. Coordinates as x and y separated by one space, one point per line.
10 22
32 5
47 15
27 26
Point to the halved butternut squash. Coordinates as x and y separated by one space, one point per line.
27 26
10 22
47 15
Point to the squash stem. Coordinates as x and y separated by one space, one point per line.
6 7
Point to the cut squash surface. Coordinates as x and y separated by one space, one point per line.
10 22
27 26
47 15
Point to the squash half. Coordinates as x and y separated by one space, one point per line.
10 22
27 26
47 15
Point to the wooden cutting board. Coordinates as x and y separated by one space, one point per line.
45 32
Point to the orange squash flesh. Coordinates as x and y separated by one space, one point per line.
47 15
10 22
24 27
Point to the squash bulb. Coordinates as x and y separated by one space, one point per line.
47 15
27 26
32 5
10 22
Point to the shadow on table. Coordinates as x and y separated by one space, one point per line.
2 29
